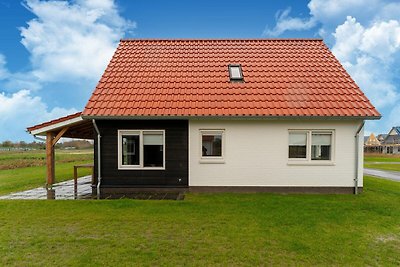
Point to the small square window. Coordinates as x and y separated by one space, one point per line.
235 72
212 146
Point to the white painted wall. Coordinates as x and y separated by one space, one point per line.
256 154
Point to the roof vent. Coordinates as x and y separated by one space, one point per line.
235 72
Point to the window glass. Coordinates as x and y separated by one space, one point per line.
235 72
130 150
212 145
297 145
153 154
321 146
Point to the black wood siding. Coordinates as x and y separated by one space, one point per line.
176 154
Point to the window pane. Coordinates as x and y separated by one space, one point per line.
321 146
153 155
297 152
299 139
297 145
235 72
212 145
152 138
130 150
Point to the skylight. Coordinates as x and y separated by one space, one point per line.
235 72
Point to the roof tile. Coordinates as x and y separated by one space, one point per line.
282 77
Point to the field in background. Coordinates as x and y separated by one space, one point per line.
382 161
22 170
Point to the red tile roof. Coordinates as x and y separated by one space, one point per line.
282 77
52 122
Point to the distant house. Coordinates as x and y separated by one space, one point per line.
267 115
384 143
372 144
391 143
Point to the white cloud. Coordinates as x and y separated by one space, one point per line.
20 110
367 53
3 69
382 39
332 12
285 22
348 38
72 40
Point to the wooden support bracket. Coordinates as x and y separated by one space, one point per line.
59 135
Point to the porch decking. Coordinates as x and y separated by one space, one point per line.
63 190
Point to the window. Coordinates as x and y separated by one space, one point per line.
297 145
141 149
321 146
212 144
310 145
235 72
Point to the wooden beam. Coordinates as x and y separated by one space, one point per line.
50 159
59 135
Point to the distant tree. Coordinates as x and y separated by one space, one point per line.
7 143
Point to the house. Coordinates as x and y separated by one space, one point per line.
384 143
391 143
261 115
372 144
381 137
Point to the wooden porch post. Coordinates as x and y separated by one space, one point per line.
51 141
50 159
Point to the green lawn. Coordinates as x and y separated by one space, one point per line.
381 158
382 162
207 229
25 170
383 166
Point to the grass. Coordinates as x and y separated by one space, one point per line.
383 166
207 229
382 162
381 158
25 170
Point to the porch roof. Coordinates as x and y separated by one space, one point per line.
75 125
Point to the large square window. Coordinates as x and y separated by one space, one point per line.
141 149
310 145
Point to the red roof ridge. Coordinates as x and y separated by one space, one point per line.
219 39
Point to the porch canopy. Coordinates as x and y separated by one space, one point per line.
73 126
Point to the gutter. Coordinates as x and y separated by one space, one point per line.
98 158
240 117
40 139
357 141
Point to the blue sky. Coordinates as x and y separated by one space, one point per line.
52 53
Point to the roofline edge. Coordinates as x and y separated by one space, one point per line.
220 39
231 117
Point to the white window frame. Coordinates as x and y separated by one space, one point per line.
308 160
141 150
212 159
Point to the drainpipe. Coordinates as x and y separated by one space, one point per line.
98 159
357 136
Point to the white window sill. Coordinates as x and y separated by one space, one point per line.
311 163
141 168
212 161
